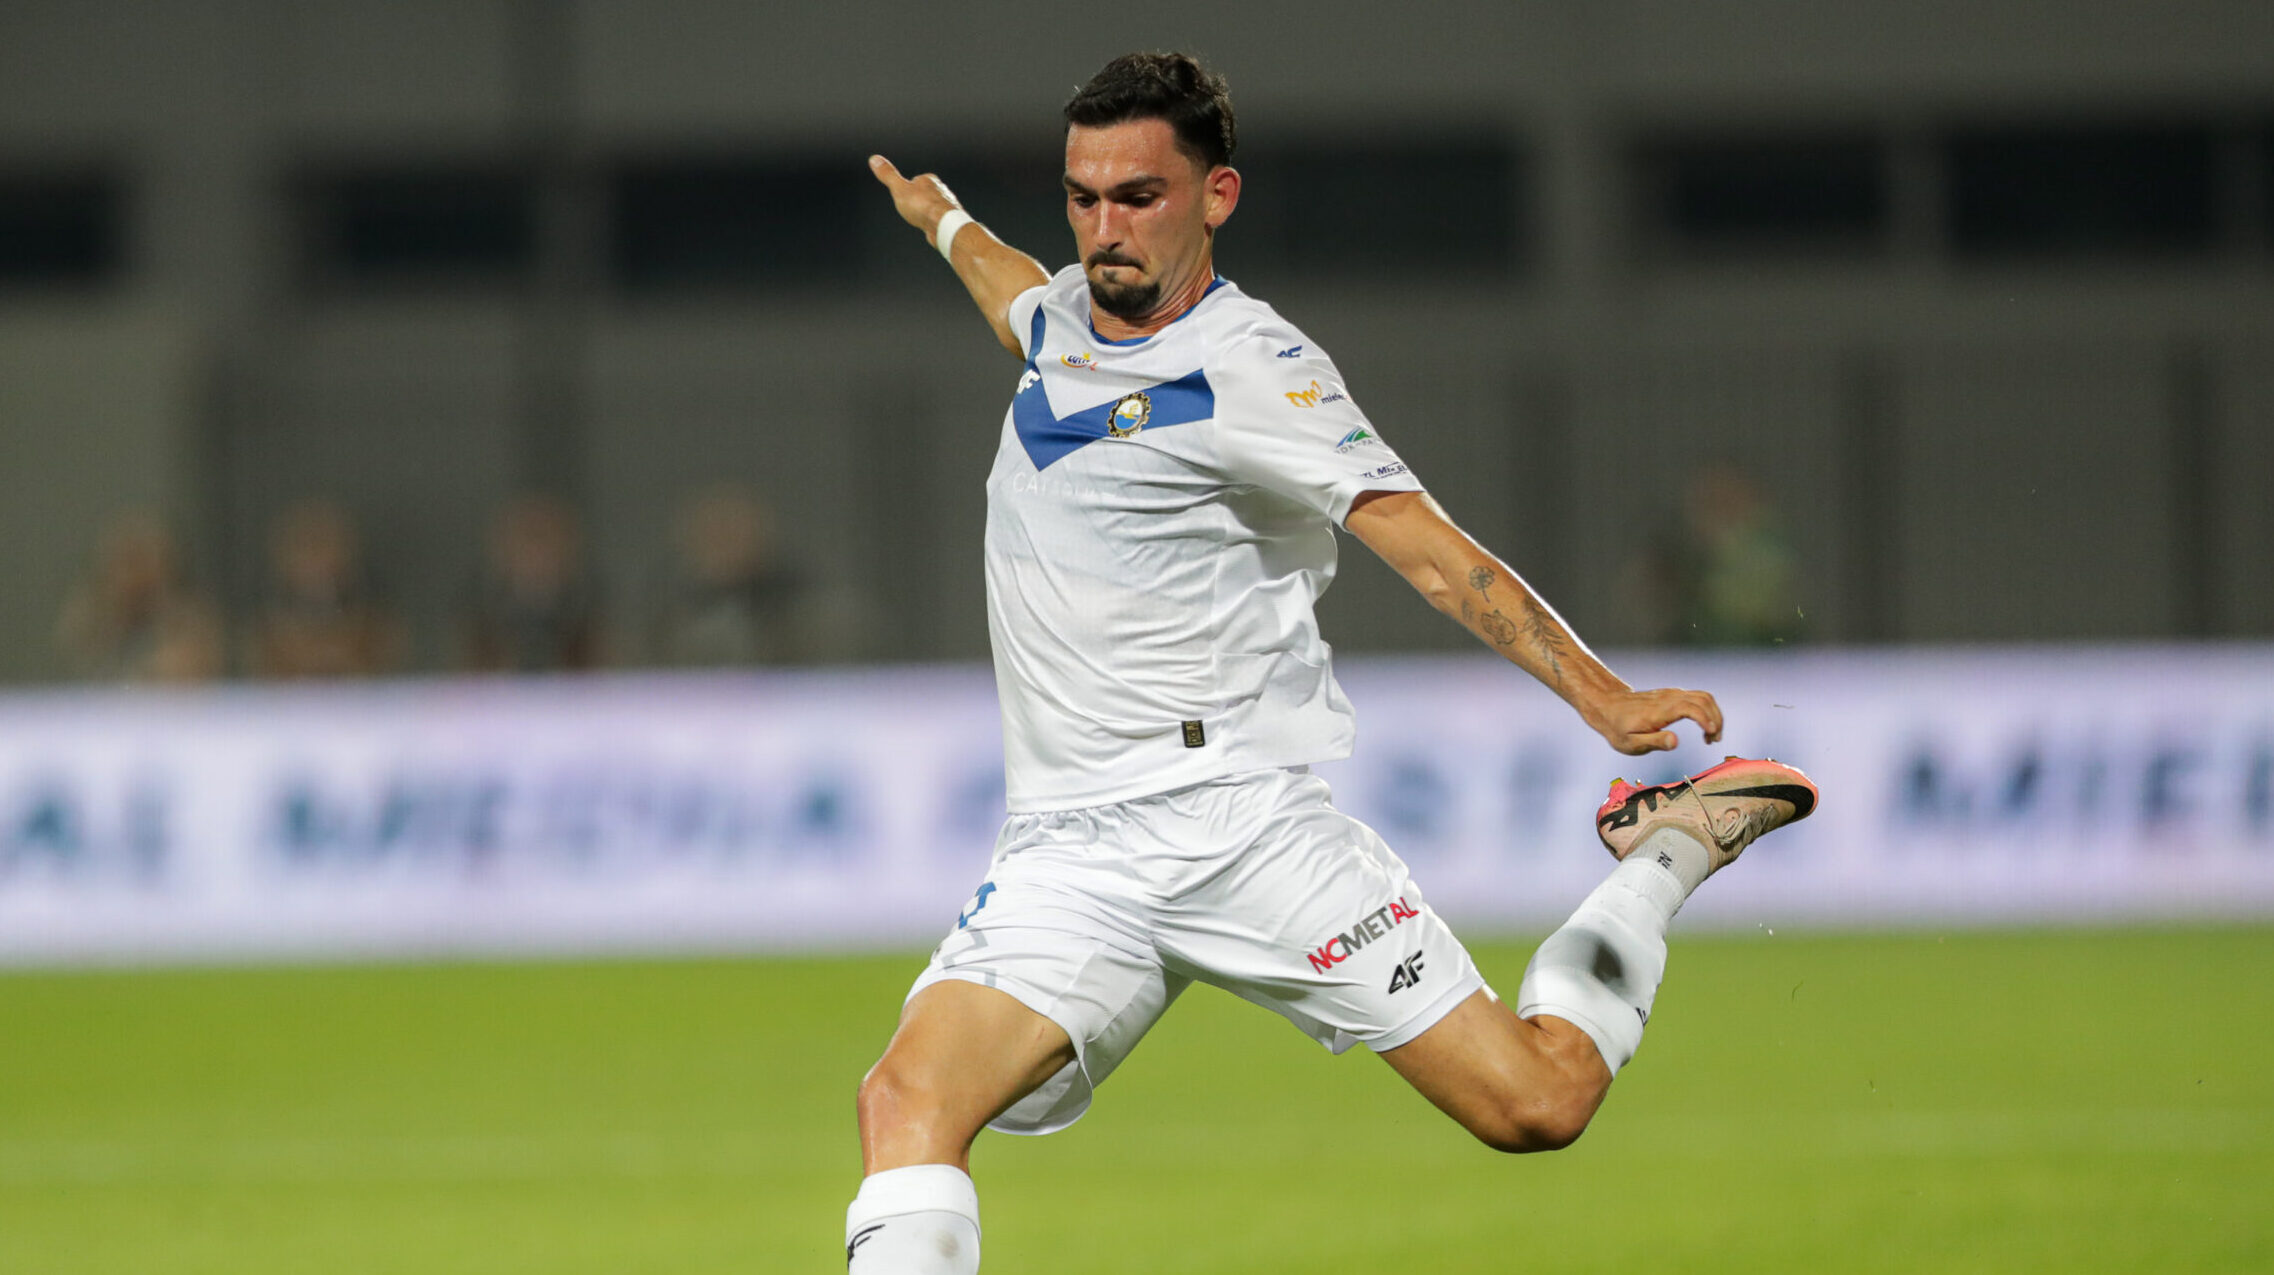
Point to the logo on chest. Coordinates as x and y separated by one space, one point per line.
1049 437
1129 415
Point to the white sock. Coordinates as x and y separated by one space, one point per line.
921 1220
1601 971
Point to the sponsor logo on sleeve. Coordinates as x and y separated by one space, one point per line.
1359 437
1291 352
1387 471
1364 930
1312 396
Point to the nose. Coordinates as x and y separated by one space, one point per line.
1109 224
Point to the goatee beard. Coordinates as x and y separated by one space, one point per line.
1129 301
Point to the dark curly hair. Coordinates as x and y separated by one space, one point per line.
1162 86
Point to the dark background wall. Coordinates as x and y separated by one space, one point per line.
1982 293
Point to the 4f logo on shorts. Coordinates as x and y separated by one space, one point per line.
1409 973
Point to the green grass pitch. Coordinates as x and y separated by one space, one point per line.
2062 1101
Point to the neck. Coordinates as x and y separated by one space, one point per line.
1174 303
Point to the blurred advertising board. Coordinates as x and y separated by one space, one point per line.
857 809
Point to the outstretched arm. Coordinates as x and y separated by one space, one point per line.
1411 533
995 272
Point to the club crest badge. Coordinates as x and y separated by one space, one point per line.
1129 415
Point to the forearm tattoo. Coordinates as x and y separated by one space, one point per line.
1493 624
1499 628
1546 639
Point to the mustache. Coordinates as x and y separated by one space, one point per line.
1110 259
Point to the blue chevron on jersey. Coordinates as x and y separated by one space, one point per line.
1049 437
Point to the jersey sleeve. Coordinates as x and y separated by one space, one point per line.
1285 422
1021 316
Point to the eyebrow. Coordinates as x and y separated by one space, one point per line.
1130 187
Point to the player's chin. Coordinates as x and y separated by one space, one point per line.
1125 300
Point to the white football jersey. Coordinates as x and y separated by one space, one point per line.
1160 522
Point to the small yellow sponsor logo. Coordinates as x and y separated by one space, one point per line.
1080 362
1314 396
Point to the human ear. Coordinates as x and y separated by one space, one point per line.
1223 195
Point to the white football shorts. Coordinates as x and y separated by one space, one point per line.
1098 918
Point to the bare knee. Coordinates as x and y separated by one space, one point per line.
1552 1110
1544 1121
1518 1084
908 1117
894 1096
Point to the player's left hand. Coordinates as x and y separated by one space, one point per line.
920 200
1636 722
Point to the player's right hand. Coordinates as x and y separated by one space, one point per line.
921 200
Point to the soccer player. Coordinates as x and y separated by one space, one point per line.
1160 523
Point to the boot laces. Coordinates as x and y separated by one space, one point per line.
1746 821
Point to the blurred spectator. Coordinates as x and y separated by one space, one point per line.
1729 576
135 618
322 616
534 609
731 601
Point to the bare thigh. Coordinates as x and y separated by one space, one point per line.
1518 1084
963 1053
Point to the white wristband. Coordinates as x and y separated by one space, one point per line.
943 234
